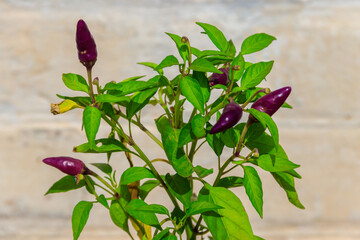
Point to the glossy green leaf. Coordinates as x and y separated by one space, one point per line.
230 182
91 121
238 61
191 89
75 82
122 100
180 187
80 216
203 172
218 60
134 78
230 137
102 200
104 167
231 50
268 122
185 135
169 61
207 53
154 208
161 235
139 101
215 143
151 65
145 217
118 215
65 184
230 222
275 163
204 84
103 145
203 65
258 238
198 207
254 74
286 181
182 48
133 174
253 187
256 42
197 126
215 35
175 154
146 188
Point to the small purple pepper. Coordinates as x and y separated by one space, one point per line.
86 45
68 165
271 102
218 78
230 116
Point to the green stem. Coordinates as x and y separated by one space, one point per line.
91 90
91 187
104 182
253 96
163 105
192 150
176 122
222 169
103 188
239 146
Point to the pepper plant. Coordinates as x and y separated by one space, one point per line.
220 87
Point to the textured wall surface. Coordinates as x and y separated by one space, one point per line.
316 53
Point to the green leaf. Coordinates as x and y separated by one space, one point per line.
118 215
182 48
197 126
286 181
268 122
145 217
169 136
231 50
215 143
217 60
258 238
230 137
238 61
105 145
207 53
101 199
139 101
192 91
161 235
154 208
275 163
151 65
75 82
146 188
91 121
254 74
198 207
230 182
133 174
256 42
122 100
65 184
203 65
230 222
215 35
180 187
82 101
185 135
169 61
253 187
203 172
204 84
104 167
80 216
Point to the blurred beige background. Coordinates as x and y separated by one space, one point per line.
317 53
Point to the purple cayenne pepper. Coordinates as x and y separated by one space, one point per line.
218 78
85 45
231 115
68 165
271 102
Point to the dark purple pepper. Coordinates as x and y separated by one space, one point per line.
86 45
271 102
68 165
218 78
230 116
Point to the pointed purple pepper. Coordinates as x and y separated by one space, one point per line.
271 102
231 115
86 45
68 165
218 78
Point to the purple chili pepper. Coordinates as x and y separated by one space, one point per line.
86 45
271 102
68 165
230 116
218 78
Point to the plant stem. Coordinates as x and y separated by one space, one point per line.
192 150
239 146
91 187
252 97
104 182
91 90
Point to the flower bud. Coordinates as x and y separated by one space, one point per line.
220 78
231 115
86 45
271 102
68 165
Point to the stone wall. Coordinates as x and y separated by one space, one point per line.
316 53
